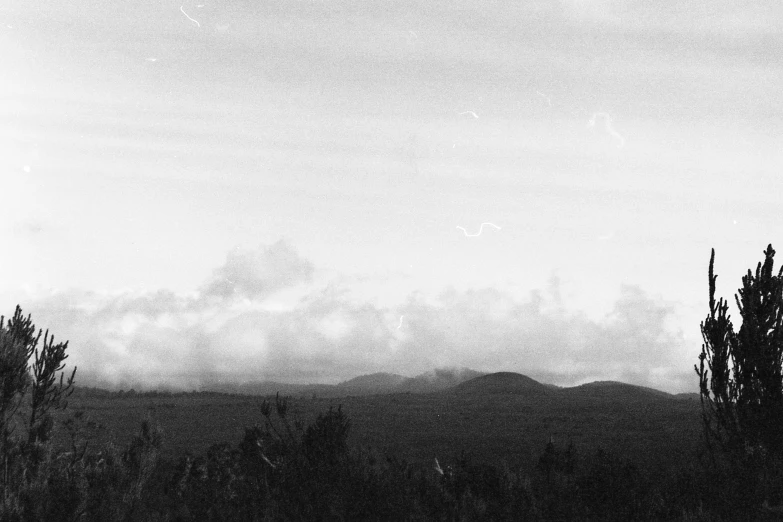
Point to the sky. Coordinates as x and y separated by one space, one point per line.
310 190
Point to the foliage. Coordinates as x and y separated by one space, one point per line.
745 393
742 385
28 394
39 481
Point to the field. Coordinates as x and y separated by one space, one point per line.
496 422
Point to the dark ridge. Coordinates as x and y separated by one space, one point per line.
614 389
505 383
387 383
376 382
268 388
688 396
438 380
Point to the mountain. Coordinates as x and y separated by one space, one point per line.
615 389
383 383
374 383
463 380
265 388
502 383
438 380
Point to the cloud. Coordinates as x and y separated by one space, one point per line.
185 342
487 330
259 273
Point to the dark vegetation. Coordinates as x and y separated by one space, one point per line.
495 447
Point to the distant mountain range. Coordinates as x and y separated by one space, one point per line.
372 384
461 381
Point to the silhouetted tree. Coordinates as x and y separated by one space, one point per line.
28 393
744 392
741 386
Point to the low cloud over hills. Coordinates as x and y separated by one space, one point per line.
372 384
270 315
463 382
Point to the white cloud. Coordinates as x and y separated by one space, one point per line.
258 273
161 339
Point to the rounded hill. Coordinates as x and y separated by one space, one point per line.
617 390
506 383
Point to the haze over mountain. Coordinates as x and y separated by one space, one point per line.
463 382
371 384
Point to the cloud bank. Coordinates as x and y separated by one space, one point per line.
260 317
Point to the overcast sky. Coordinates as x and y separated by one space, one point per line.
295 190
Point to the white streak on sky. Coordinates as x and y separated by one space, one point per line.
608 126
480 229
189 18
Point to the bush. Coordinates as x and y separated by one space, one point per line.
39 482
741 386
28 394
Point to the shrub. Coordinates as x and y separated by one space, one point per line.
39 482
28 394
741 388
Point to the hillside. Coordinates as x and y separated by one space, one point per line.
437 380
496 417
618 390
266 388
460 381
506 383
373 383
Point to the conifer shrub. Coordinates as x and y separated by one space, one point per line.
741 388
46 477
29 393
